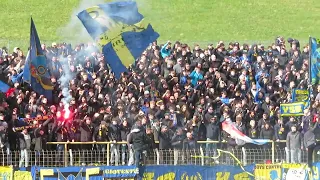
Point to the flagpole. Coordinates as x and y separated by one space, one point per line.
310 85
30 56
309 63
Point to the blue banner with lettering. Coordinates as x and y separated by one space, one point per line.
84 173
147 172
194 172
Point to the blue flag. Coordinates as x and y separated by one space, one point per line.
120 31
40 78
26 69
4 87
314 60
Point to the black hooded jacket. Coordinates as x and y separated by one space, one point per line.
138 138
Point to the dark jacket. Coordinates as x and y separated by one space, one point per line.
24 141
309 136
253 132
189 144
40 140
150 142
280 133
165 139
61 132
100 134
86 133
124 130
213 131
114 133
267 133
177 141
138 138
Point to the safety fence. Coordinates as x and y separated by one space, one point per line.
107 153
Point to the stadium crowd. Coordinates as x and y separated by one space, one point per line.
175 94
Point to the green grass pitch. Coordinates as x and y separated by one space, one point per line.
191 21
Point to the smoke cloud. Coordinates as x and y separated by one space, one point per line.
64 80
73 32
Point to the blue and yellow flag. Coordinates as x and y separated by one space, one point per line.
40 79
301 95
314 64
120 31
292 109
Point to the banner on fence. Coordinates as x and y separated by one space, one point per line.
315 173
148 172
6 173
196 172
267 172
22 175
85 173
294 171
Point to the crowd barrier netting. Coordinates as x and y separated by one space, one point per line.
165 172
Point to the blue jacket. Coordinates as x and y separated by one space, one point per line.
225 100
165 52
195 77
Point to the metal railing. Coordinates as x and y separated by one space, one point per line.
107 153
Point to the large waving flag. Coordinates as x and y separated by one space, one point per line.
314 60
40 78
229 127
120 31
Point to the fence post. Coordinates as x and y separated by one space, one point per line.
108 154
272 151
202 156
244 157
66 155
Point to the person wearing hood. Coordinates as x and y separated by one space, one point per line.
138 138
